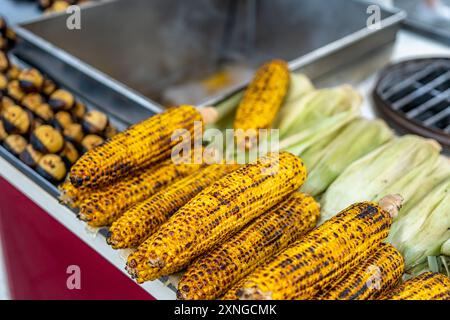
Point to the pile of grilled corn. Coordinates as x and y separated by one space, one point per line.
249 231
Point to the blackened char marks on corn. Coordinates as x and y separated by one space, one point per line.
213 274
322 257
263 97
145 218
427 286
101 207
134 149
381 272
217 213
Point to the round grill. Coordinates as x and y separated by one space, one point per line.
414 96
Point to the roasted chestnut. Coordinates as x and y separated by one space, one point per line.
44 4
48 87
3 133
62 120
61 100
74 133
7 102
110 131
11 36
15 144
30 156
47 139
45 112
52 168
3 82
69 154
31 80
32 101
3 25
79 110
4 62
4 43
95 122
13 72
91 141
57 6
15 91
16 120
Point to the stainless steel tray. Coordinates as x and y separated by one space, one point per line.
129 52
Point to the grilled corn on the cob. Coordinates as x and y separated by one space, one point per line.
216 214
142 220
325 255
212 274
427 286
102 207
380 273
231 294
263 97
72 196
142 144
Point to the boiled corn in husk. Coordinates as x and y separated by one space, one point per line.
422 231
423 187
300 86
445 249
357 139
317 115
376 172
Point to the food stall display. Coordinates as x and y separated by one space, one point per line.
342 200
192 234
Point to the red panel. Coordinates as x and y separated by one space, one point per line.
38 250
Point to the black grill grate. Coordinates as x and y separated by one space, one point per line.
415 95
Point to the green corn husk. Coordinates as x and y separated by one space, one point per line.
227 111
429 240
430 264
369 176
445 249
357 139
300 86
438 175
312 155
422 231
318 115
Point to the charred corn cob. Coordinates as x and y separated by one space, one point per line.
216 214
325 255
380 273
142 220
71 196
102 207
263 97
427 286
231 294
134 149
211 275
